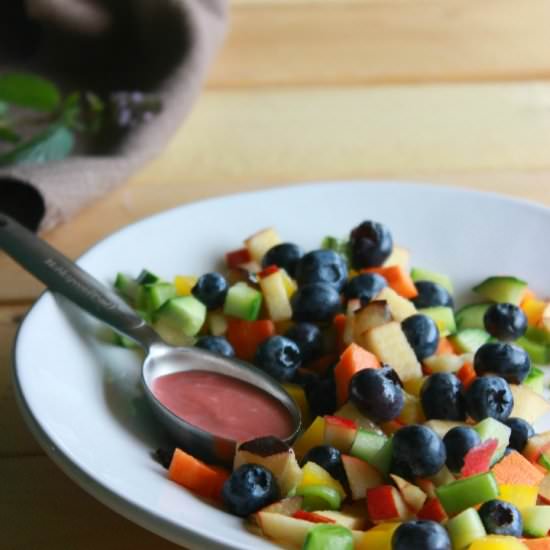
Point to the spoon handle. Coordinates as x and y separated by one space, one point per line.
62 275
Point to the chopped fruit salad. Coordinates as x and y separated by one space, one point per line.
417 416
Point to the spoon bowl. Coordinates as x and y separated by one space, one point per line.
63 276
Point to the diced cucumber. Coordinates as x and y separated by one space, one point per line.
367 445
338 245
465 528
505 289
469 340
148 278
538 353
443 317
123 341
536 520
243 301
467 492
420 274
535 380
382 460
539 335
152 296
326 535
471 316
183 316
544 460
127 287
489 428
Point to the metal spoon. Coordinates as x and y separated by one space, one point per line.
63 276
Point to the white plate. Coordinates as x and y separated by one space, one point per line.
81 396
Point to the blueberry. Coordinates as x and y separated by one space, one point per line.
317 302
505 321
305 378
506 360
377 393
417 452
364 286
285 255
322 266
279 357
249 488
370 244
329 458
421 535
501 518
521 432
216 344
431 294
442 397
308 338
210 289
322 398
489 396
422 334
458 441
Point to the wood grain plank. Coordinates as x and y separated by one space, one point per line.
41 508
282 43
16 438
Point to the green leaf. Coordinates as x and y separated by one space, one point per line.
3 108
56 143
7 134
29 90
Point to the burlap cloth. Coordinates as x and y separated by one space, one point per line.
160 46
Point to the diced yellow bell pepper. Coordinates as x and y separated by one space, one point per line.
533 310
312 437
313 474
299 395
377 538
497 542
184 284
520 496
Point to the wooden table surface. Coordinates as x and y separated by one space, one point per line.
448 91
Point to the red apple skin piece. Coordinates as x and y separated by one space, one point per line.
427 485
544 489
340 432
478 459
432 510
413 496
361 476
384 503
311 516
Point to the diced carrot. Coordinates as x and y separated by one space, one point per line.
533 309
398 279
207 481
235 258
537 544
339 323
354 359
528 294
321 364
466 374
246 336
391 426
444 347
312 516
515 469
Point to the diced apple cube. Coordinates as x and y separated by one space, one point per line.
400 307
276 297
385 503
259 243
528 404
284 529
389 343
340 432
399 256
374 314
412 495
361 476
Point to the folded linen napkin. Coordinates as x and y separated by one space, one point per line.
162 47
